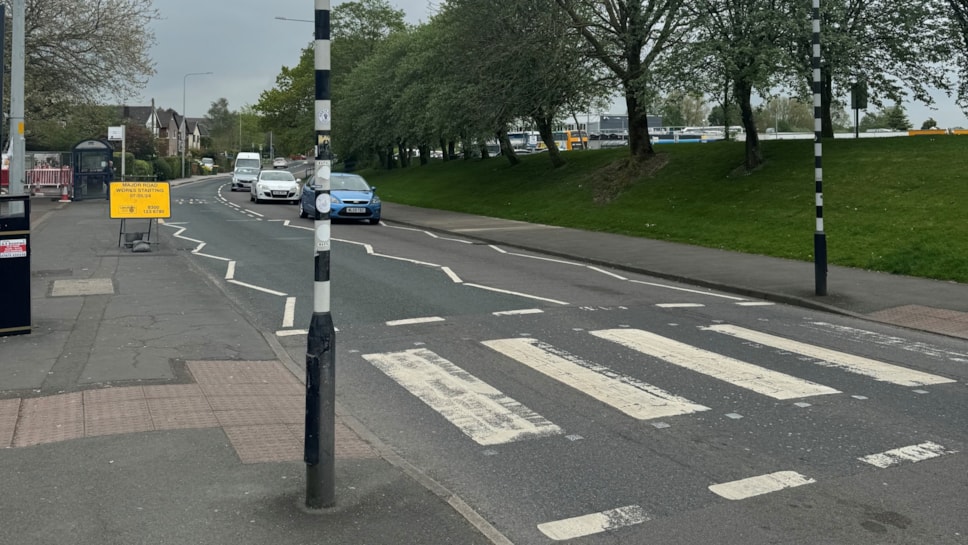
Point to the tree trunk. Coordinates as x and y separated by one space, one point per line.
451 148
640 143
826 98
443 150
754 155
506 149
544 129
424 154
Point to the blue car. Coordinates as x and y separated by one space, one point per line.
352 198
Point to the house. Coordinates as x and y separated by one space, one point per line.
169 129
146 116
197 129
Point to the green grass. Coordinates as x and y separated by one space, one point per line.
898 205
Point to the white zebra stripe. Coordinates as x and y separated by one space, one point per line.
627 394
479 410
745 375
878 370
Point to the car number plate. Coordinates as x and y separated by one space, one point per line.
356 210
279 193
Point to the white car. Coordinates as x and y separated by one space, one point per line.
275 185
280 162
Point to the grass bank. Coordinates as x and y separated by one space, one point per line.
898 205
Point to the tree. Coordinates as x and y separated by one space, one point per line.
357 29
288 109
627 37
680 109
929 123
84 51
898 47
959 18
896 118
223 125
739 41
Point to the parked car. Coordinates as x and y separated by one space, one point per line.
273 185
280 162
351 198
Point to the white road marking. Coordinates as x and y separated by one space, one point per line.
679 305
594 523
755 304
739 373
519 294
291 332
878 370
479 410
290 312
911 453
627 394
452 275
518 312
230 271
763 484
257 288
862 336
668 287
411 321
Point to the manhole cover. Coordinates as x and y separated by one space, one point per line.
88 286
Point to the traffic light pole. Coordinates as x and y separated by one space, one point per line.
819 237
320 437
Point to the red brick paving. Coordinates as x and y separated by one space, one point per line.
939 320
259 404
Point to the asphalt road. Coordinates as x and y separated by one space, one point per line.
564 401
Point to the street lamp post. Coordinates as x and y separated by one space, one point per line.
181 135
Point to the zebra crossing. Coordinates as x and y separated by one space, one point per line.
490 417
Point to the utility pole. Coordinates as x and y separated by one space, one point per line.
320 437
16 135
819 237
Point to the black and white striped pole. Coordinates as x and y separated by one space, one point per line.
320 438
819 237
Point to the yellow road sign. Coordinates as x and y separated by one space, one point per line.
140 200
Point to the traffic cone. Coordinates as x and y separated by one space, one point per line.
64 196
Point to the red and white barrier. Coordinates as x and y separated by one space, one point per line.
40 178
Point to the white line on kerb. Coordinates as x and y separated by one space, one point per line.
289 314
736 372
291 332
763 484
230 271
411 321
594 523
912 453
680 305
475 407
878 370
452 275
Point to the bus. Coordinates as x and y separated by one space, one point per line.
567 140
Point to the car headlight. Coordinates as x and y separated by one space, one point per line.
334 199
375 200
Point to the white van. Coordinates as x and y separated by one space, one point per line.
246 171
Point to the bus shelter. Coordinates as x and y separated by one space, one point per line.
93 169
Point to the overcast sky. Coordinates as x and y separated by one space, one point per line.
244 46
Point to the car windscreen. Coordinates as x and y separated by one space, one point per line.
276 176
247 163
349 183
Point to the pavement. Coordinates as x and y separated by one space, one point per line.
143 407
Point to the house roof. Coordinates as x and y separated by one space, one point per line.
199 122
138 114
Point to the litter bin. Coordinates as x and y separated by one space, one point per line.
14 264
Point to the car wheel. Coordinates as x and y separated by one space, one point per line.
251 197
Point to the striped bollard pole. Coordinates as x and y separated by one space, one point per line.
819 237
320 438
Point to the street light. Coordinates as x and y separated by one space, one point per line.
299 20
181 137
